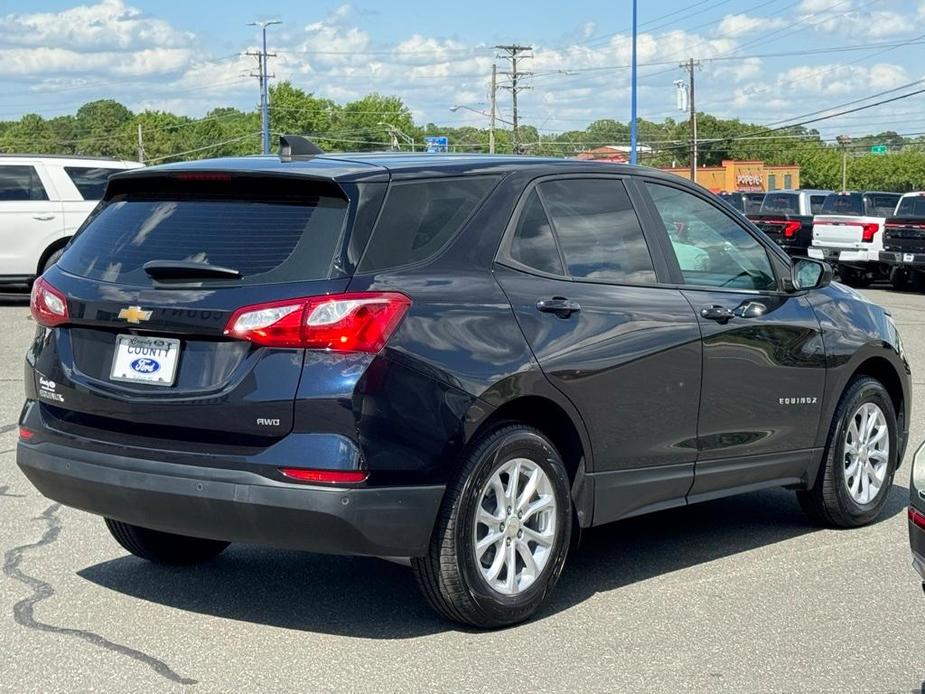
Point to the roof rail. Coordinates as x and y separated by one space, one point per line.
296 146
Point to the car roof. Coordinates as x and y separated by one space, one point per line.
385 166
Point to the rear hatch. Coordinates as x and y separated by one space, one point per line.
845 222
152 283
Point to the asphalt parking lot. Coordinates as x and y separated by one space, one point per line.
741 594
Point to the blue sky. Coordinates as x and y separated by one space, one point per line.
188 57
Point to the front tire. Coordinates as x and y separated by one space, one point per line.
503 532
856 474
853 278
161 547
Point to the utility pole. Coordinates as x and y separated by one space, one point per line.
264 78
844 141
690 66
512 53
141 147
494 107
634 157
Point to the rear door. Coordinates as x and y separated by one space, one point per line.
586 288
763 357
30 217
283 238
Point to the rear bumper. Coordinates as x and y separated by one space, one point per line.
235 505
910 260
844 255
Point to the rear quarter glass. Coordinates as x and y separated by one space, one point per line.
269 238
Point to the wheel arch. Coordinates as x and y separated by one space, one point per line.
881 369
54 246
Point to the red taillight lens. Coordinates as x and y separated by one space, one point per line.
917 518
353 322
868 231
791 229
325 476
26 434
48 305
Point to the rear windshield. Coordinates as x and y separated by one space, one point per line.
781 203
734 199
266 241
815 203
90 181
911 206
844 203
881 205
753 202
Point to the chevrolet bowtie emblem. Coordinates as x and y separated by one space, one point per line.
134 314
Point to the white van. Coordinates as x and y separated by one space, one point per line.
43 200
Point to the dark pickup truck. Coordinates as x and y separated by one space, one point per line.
787 217
904 243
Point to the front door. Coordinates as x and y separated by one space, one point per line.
626 351
763 356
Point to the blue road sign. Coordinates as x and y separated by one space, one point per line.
437 143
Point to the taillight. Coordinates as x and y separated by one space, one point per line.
353 322
868 231
917 518
48 305
325 476
791 229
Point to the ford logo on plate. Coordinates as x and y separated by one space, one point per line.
145 366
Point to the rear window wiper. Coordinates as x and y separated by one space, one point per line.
186 269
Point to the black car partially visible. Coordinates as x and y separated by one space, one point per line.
917 513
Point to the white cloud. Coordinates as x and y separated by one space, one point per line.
840 80
109 24
735 25
850 18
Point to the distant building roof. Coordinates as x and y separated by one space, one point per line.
616 153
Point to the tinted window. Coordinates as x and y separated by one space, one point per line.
737 200
911 206
90 182
533 243
815 203
265 241
711 248
781 203
753 203
598 230
19 183
844 203
420 217
881 205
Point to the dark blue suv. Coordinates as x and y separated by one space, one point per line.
455 360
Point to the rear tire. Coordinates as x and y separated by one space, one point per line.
853 278
164 548
900 279
465 575
52 259
837 499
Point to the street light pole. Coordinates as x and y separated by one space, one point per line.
633 134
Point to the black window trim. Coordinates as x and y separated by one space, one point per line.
777 258
37 169
503 255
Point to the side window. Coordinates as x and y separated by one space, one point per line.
418 218
712 250
90 182
20 183
598 230
533 244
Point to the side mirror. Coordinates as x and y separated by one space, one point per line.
808 273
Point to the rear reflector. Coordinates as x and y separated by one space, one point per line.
26 434
325 476
352 322
917 518
48 305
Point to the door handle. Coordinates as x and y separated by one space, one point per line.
558 305
43 217
720 314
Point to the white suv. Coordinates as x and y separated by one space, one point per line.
43 200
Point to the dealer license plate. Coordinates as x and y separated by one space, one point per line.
151 360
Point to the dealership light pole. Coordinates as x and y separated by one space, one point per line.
633 134
264 90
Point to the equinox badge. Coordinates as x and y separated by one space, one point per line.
134 314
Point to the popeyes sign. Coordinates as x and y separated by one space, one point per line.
748 181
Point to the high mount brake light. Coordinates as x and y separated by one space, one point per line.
48 305
351 322
868 231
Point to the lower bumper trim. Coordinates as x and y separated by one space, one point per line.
235 505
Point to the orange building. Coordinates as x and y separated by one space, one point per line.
744 177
